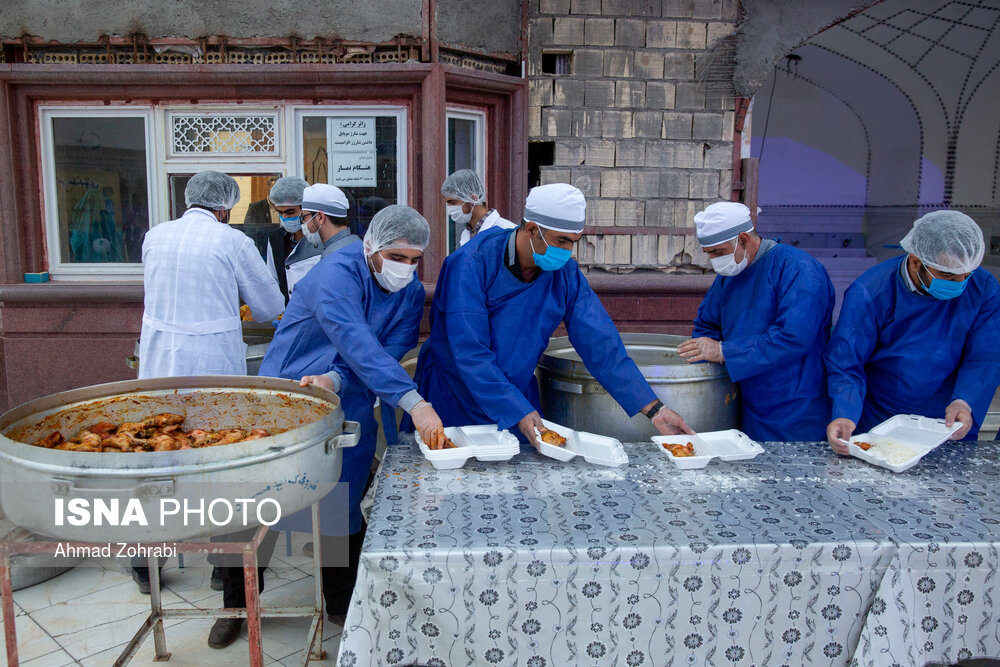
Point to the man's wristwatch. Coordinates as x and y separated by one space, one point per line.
653 410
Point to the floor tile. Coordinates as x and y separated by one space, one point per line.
32 641
58 658
82 580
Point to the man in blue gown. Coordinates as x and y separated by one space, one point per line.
499 299
767 317
918 334
348 323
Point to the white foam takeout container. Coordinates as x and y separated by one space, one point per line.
598 449
730 445
483 443
923 434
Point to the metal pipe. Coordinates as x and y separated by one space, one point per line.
156 605
253 597
9 624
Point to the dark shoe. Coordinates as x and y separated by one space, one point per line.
216 582
307 549
141 578
224 632
337 619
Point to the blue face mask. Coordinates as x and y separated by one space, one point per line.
553 259
943 289
291 225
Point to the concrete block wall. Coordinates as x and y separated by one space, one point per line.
631 126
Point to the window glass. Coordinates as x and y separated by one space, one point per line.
252 215
102 198
461 155
359 155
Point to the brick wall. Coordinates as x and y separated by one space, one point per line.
630 125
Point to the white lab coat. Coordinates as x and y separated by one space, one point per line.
195 271
492 219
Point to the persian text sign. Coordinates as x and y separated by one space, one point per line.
351 152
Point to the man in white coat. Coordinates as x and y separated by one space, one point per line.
195 271
465 198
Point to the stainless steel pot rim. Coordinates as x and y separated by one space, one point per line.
176 470
67 400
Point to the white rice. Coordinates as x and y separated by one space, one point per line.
891 451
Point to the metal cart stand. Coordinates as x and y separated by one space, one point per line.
14 542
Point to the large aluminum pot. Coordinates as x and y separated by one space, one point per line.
701 393
295 467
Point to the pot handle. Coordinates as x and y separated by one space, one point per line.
568 387
159 488
348 438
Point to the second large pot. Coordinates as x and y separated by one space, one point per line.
701 393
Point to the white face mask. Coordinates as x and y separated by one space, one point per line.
728 266
311 236
394 275
456 215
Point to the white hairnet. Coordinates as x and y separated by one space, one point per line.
287 191
466 185
397 226
213 190
948 241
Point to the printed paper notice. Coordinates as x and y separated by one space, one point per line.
351 152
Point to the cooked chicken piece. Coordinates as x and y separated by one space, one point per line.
135 429
183 442
202 438
553 438
87 438
79 447
126 442
228 437
163 419
448 444
678 450
51 440
864 445
257 434
103 429
164 443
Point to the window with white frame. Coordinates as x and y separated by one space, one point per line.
100 187
466 150
111 172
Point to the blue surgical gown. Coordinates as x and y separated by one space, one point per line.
339 319
773 320
898 352
489 330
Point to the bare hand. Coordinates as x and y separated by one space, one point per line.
668 422
958 411
318 380
528 424
840 429
700 349
428 424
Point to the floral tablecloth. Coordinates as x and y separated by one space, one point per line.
796 557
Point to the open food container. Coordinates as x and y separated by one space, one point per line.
484 443
597 449
899 443
729 445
